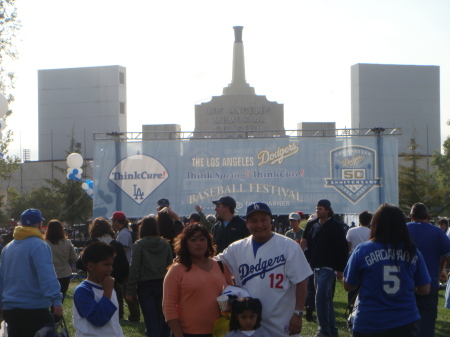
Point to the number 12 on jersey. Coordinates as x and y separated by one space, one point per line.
276 281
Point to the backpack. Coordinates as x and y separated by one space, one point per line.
121 268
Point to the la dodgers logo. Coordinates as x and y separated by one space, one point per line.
138 176
353 171
247 272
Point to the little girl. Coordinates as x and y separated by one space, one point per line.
245 318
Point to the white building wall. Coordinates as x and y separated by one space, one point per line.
405 96
85 100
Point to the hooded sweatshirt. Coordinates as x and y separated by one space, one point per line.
27 276
150 258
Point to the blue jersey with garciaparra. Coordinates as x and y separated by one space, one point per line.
387 286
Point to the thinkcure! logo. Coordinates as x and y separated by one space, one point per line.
138 176
353 171
277 156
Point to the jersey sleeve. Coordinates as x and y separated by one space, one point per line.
352 270
97 313
421 277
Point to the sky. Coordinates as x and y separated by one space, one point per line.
178 53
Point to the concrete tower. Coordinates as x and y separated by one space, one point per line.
239 109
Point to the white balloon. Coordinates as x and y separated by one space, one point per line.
3 105
2 125
80 170
78 176
89 191
74 160
84 186
68 175
69 170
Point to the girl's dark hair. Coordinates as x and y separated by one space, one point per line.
389 227
181 246
55 232
166 225
242 304
148 227
97 251
99 227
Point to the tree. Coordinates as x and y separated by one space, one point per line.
9 26
63 200
417 185
442 164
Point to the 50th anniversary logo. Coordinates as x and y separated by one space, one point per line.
353 171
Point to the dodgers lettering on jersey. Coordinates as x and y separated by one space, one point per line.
247 272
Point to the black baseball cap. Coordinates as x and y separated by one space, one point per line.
163 202
226 201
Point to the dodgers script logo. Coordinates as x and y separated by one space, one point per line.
138 176
247 272
353 171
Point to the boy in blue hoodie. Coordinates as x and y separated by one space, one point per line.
28 283
95 302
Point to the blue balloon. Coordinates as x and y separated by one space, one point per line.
72 176
75 171
91 184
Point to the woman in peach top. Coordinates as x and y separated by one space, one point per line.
192 285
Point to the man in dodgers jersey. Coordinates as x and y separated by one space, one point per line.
272 268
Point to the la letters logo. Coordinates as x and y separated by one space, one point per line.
353 171
138 176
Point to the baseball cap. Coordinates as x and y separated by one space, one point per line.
324 203
31 217
226 201
300 213
163 202
118 215
194 216
294 216
258 207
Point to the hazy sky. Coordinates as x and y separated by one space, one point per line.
178 53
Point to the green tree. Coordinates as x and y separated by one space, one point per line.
442 164
416 184
63 200
9 27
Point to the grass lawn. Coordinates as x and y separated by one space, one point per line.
309 329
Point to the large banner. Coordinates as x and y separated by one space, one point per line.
289 174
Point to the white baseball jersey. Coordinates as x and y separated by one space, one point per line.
271 277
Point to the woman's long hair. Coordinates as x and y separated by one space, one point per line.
55 232
148 227
389 227
181 247
166 225
99 227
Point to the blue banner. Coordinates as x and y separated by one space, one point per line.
289 174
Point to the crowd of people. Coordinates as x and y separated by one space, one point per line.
173 272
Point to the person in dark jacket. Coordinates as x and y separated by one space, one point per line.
150 257
327 252
229 227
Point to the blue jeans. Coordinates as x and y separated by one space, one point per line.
150 295
323 282
427 306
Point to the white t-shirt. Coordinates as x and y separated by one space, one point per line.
358 235
271 277
126 239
